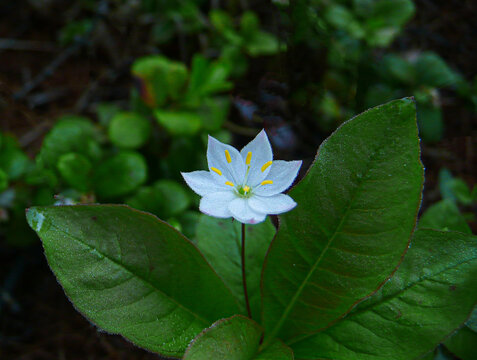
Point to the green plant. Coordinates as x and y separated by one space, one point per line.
322 292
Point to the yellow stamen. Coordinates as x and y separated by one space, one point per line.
227 156
249 158
229 183
265 182
246 188
216 171
266 165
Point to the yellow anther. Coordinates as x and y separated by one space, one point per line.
229 183
216 171
266 165
249 158
227 156
266 182
246 188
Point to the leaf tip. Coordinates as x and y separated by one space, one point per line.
35 218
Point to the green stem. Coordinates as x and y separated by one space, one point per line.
244 277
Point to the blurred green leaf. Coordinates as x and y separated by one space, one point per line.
431 124
207 78
432 70
214 112
444 215
263 43
75 30
165 198
179 122
397 69
75 170
3 181
120 174
221 20
189 221
461 191
105 112
455 189
159 79
13 161
70 134
129 130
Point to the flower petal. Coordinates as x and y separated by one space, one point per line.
282 173
261 155
242 212
218 156
276 204
217 204
202 182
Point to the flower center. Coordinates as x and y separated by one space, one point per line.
244 191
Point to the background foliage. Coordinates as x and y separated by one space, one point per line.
110 101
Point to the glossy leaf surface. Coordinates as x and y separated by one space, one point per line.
431 294
356 211
130 273
235 338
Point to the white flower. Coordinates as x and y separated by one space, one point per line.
246 185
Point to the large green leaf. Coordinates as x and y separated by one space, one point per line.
463 344
220 242
132 274
430 295
235 338
356 211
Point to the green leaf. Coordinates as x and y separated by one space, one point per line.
397 69
430 295
75 170
165 198
13 161
263 43
276 351
472 322
207 78
3 181
106 112
158 79
214 112
220 242
235 338
179 122
132 274
461 191
432 70
444 215
120 174
129 130
356 211
431 125
463 344
70 134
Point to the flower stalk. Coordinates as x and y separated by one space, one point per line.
244 276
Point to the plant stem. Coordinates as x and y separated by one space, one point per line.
244 277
